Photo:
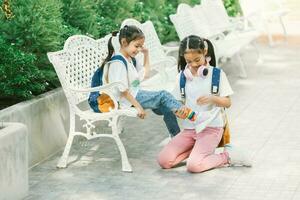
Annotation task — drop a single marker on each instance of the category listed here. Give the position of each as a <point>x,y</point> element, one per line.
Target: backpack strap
<point>215,81</point>
<point>119,58</point>
<point>97,77</point>
<point>123,60</point>
<point>182,81</point>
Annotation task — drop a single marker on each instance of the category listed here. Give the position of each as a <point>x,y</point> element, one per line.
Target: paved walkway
<point>265,118</point>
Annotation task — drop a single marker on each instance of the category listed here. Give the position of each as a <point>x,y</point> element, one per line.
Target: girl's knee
<point>164,93</point>
<point>164,161</point>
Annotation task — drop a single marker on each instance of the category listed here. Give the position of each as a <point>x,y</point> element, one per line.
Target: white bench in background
<point>261,13</point>
<point>188,21</point>
<point>75,66</point>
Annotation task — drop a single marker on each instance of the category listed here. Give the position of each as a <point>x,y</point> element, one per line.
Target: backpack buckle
<point>214,89</point>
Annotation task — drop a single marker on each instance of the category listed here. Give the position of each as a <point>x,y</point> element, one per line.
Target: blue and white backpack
<point>95,97</point>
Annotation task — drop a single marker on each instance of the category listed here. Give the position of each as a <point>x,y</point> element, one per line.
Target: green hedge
<point>37,27</point>
<point>20,77</point>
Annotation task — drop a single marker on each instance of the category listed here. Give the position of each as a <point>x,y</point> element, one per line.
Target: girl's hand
<point>141,113</point>
<point>144,50</point>
<point>182,112</point>
<point>210,99</point>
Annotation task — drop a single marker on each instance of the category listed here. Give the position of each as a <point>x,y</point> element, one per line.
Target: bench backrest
<point>76,64</point>
<point>187,22</point>
<point>216,15</point>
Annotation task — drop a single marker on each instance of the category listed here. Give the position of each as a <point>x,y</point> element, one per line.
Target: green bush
<point>37,28</point>
<point>233,7</point>
<point>81,17</point>
<point>110,14</point>
<point>20,78</point>
<point>190,2</point>
<point>158,12</point>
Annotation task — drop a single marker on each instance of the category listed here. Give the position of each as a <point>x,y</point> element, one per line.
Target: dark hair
<point>195,43</point>
<point>130,33</point>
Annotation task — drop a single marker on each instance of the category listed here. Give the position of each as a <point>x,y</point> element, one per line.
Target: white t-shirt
<point>131,78</point>
<point>202,87</point>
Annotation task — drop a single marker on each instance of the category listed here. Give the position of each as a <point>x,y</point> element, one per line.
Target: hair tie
<point>205,44</point>
<point>114,33</point>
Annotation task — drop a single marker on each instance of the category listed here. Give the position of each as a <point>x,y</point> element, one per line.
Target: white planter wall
<point>13,161</point>
<point>47,120</point>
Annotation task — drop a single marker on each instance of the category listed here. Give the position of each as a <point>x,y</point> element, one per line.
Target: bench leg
<point>283,28</point>
<point>126,167</point>
<point>62,163</point>
<point>267,29</point>
<point>260,60</point>
<point>120,125</point>
<point>243,72</point>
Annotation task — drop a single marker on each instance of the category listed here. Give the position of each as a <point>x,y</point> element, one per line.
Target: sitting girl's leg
<point>203,155</point>
<point>177,150</point>
<point>169,119</point>
<point>161,102</point>
<point>157,99</point>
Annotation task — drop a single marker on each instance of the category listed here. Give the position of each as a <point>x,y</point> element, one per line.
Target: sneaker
<point>237,156</point>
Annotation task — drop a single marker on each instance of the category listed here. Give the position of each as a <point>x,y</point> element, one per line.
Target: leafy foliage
<point>146,10</point>
<point>110,14</point>
<point>232,7</point>
<point>20,78</point>
<point>30,28</point>
<point>81,16</point>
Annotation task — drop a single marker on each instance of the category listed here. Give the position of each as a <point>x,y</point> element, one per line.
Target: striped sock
<point>191,116</point>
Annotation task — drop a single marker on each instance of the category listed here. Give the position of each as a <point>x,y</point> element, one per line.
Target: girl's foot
<point>237,157</point>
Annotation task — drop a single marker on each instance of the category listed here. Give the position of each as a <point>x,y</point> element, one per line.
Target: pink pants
<point>198,148</point>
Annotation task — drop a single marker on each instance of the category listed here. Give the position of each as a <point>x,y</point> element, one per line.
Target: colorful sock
<point>192,115</point>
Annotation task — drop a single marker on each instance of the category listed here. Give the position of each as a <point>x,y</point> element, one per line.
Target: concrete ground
<point>264,118</point>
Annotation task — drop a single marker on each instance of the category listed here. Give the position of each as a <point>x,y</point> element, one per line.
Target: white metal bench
<point>216,15</point>
<point>260,13</point>
<point>75,66</point>
<point>188,21</point>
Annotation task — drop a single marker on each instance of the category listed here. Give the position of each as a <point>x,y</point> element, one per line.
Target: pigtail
<point>210,52</point>
<point>181,63</point>
<point>110,49</point>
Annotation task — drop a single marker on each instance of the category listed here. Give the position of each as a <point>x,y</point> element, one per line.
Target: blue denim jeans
<point>161,103</point>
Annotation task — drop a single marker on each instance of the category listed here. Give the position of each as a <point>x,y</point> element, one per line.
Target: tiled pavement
<point>264,118</point>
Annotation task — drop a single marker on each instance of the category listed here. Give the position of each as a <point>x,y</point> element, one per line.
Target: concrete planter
<point>47,121</point>
<point>13,161</point>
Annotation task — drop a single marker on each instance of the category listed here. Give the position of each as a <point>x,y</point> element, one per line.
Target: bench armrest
<point>107,89</point>
<point>99,88</point>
